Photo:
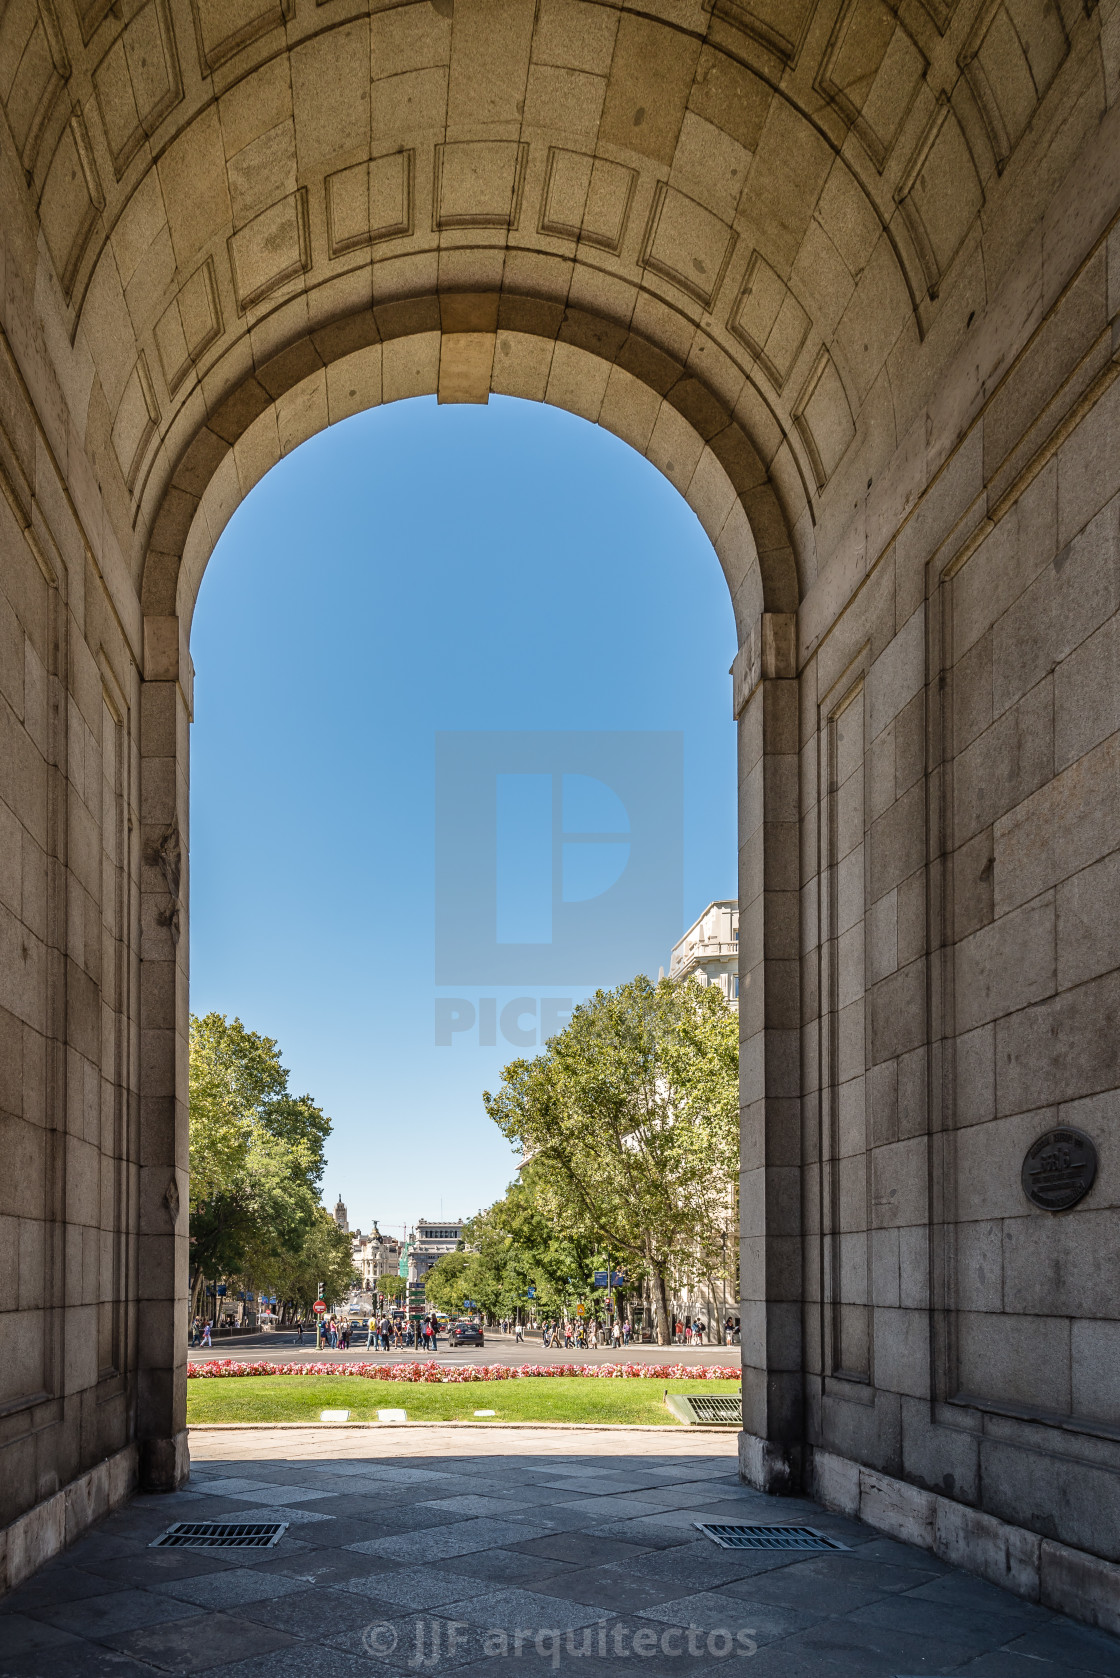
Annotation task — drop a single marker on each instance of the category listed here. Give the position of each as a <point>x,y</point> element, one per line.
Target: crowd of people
<point>423,1334</point>
<point>384,1335</point>
<point>587,1335</point>
<point>571,1335</point>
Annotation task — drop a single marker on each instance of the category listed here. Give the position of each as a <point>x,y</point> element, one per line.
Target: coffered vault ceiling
<point>780,195</point>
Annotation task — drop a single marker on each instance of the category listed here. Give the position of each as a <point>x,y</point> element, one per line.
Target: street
<point>282,1347</point>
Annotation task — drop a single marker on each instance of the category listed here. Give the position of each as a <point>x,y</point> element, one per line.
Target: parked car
<point>465,1334</point>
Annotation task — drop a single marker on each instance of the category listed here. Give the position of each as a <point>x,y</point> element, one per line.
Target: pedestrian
<point>298,1325</point>
<point>386,1333</point>
<point>196,1332</point>
<point>206,1340</point>
<point>517,1334</point>
<point>616,1333</point>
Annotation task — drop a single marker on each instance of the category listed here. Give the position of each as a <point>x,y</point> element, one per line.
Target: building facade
<point>709,951</point>
<point>429,1242</point>
<point>848,276</point>
<point>374,1255</point>
<point>708,954</point>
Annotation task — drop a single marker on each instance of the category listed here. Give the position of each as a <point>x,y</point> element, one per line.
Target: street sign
<point>580,1310</point>
<point>618,1277</point>
<point>532,1293</point>
<point>320,1305</point>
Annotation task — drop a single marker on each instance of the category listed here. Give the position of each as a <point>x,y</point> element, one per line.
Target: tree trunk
<point>196,1288</point>
<point>660,1303</point>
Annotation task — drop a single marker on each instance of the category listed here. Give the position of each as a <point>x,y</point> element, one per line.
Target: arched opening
<point>407,592</point>
<point>697,445</point>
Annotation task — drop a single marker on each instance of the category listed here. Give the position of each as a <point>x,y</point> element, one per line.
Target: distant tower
<point>340,1217</point>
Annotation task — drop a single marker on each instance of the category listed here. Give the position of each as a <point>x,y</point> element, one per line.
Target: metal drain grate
<point>706,1408</point>
<point>768,1538</point>
<point>221,1535</point>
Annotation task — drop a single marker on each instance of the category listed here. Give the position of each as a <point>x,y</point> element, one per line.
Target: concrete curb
<point>483,1427</point>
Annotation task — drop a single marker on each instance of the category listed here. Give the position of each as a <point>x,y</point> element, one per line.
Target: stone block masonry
<point>852,284</point>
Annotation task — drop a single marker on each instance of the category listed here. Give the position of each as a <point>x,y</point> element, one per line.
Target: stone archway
<point>675,422</point>
<point>846,271</point>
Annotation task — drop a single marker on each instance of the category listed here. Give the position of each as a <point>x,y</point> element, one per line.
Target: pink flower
<point>437,1373</point>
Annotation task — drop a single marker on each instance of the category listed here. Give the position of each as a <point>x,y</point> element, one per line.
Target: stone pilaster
<point>164,1133</point>
<point>766,700</point>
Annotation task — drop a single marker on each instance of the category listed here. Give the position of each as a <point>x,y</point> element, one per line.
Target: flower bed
<point>440,1373</point>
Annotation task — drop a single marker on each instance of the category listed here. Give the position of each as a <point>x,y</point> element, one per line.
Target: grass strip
<point>290,1398</point>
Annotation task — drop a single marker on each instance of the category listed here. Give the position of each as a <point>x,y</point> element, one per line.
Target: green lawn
<point>557,1398</point>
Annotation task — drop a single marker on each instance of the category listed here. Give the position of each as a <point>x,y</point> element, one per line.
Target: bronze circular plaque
<point>1059,1169</point>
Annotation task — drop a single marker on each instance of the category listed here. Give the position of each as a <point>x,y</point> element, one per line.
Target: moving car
<point>465,1334</point>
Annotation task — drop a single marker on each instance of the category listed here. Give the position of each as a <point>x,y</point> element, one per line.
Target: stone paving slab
<point>413,1555</point>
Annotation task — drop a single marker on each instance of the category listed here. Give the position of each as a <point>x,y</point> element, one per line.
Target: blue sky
<point>524,587</point>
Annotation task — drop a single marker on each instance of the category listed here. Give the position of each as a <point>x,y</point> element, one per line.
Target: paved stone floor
<point>431,1550</point>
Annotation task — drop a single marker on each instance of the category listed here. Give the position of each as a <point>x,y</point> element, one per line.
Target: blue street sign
<point>618,1277</point>
<point>532,1293</point>
<point>221,1288</point>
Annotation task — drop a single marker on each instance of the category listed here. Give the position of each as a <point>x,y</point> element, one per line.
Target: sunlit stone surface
<point>847,276</point>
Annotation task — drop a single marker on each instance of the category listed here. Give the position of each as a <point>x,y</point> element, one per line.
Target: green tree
<point>630,1118</point>
<point>391,1286</point>
<point>321,1261</point>
<point>256,1153</point>
<point>517,1243</point>
<point>447,1283</point>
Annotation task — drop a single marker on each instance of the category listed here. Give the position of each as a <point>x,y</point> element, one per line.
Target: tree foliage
<point>629,1118</point>
<point>257,1156</point>
<point>322,1262</point>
